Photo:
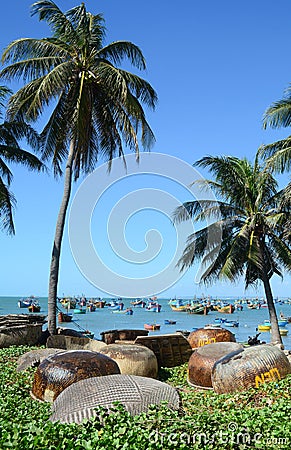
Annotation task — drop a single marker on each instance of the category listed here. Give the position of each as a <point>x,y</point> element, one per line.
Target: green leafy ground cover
<point>257,418</point>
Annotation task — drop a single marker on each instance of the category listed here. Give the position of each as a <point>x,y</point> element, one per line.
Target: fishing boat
<point>139,302</point>
<point>227,309</point>
<point>219,320</point>
<point>199,309</point>
<point>127,311</point>
<point>282,317</point>
<point>68,303</point>
<point>170,322</point>
<point>87,334</point>
<point>34,307</point>
<point>231,323</point>
<point>152,326</point>
<point>283,331</point>
<point>63,317</point>
<point>26,302</point>
<point>91,307</point>
<point>79,311</point>
<point>264,327</point>
<point>153,307</point>
<point>179,304</point>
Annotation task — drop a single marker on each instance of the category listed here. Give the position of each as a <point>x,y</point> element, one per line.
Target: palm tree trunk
<point>275,337</point>
<point>56,253</point>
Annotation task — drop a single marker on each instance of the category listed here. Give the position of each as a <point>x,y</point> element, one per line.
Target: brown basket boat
<point>57,372</point>
<point>170,349</point>
<point>205,336</point>
<point>202,360</point>
<point>79,401</point>
<point>133,359</point>
<point>249,368</point>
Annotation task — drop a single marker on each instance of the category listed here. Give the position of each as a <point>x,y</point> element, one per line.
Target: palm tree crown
<point>96,105</point>
<point>11,152</point>
<point>252,220</point>
<point>279,152</point>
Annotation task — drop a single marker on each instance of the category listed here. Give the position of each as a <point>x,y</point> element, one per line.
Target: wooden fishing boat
<point>264,327</point>
<point>63,317</point>
<point>68,303</point>
<point>170,322</point>
<point>152,326</point>
<point>26,302</point>
<point>34,308</point>
<point>201,309</point>
<point>227,309</point>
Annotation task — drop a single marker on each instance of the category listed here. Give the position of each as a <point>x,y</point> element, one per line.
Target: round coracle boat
<point>210,335</point>
<point>251,367</point>
<point>203,359</point>
<point>133,359</point>
<point>80,400</point>
<point>57,372</point>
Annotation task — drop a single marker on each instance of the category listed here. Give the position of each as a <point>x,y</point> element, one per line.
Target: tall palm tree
<point>97,106</point>
<point>11,152</point>
<point>251,219</point>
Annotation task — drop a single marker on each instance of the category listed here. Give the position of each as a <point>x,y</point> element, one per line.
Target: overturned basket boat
<point>203,359</point>
<point>133,359</point>
<point>210,335</point>
<point>79,401</point>
<point>58,371</point>
<point>249,367</point>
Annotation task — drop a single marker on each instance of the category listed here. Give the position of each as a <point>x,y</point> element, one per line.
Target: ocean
<point>104,319</point>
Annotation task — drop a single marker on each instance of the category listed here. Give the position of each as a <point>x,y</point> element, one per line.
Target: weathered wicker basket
<point>78,401</point>
<point>202,360</point>
<point>249,368</point>
<point>170,349</point>
<point>205,336</point>
<point>59,371</point>
<point>133,359</point>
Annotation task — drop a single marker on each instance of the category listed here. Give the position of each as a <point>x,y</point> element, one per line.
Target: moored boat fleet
<point>68,307</point>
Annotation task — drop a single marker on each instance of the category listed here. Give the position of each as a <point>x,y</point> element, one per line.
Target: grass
<point>257,418</point>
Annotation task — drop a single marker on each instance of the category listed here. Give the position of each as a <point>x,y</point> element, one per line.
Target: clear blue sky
<point>216,67</point>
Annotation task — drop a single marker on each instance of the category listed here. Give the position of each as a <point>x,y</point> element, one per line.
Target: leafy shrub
<point>257,418</point>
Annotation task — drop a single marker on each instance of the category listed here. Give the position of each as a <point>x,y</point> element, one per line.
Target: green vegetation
<point>251,419</point>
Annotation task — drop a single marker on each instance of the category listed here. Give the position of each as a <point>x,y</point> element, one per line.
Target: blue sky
<point>216,67</point>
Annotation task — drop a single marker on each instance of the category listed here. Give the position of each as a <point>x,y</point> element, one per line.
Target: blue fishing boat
<point>170,322</point>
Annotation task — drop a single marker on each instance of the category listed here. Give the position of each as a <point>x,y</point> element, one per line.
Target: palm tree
<point>97,106</point>
<point>11,152</point>
<point>251,219</point>
<point>276,116</point>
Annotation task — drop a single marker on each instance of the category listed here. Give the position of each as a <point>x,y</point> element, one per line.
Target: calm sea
<point>104,319</point>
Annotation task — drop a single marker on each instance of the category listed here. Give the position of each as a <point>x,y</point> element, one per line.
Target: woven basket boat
<point>133,359</point>
<point>58,371</point>
<point>249,367</point>
<point>205,336</point>
<point>170,349</point>
<point>78,401</point>
<point>202,361</point>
